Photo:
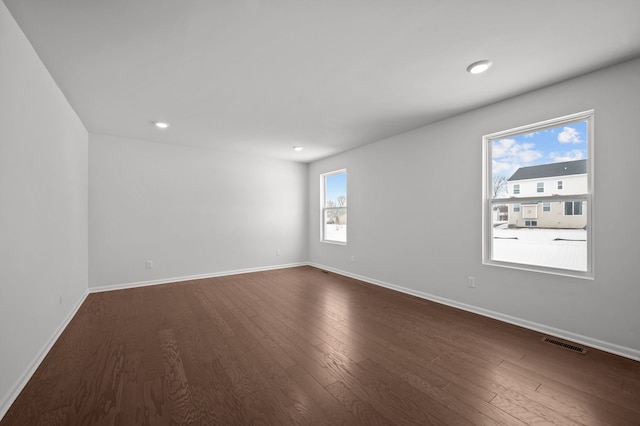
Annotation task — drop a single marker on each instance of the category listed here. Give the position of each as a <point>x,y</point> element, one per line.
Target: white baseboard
<point>192,277</point>
<point>578,338</point>
<point>35,363</point>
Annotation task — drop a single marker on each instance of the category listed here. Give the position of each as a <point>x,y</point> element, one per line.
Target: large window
<point>542,231</point>
<point>333,187</point>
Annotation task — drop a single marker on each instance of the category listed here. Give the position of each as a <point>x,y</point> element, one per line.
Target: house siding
<point>556,217</point>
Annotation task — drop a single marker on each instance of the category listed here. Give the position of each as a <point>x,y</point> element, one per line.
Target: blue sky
<point>556,144</point>
<point>335,186</point>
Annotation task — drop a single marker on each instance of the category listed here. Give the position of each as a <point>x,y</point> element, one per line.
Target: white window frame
<point>588,197</point>
<point>516,189</point>
<point>540,187</point>
<point>323,208</point>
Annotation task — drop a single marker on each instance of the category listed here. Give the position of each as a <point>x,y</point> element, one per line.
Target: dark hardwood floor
<point>300,346</point>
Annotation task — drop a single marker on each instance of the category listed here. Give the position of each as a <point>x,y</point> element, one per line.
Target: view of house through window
<point>334,206</point>
<point>538,196</point>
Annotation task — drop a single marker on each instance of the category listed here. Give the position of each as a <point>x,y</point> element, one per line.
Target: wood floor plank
<point>538,404</point>
<point>472,408</point>
<point>354,376</point>
<point>300,346</point>
<point>177,392</point>
<point>326,409</point>
<point>483,374</point>
<point>98,393</point>
<point>131,405</point>
<point>609,407</point>
<point>448,414</point>
<point>59,416</point>
<point>156,411</point>
<point>361,410</point>
<point>594,411</point>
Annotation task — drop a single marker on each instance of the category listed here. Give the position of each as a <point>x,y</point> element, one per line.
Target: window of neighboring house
<point>560,148</point>
<point>573,208</point>
<point>333,190</point>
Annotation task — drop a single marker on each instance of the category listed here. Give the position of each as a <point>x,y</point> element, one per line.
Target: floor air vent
<point>567,345</point>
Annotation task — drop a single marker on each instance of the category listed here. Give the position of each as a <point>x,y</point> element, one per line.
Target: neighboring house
<point>569,177</point>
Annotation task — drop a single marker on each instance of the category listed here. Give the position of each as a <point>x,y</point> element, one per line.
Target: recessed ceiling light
<point>298,148</point>
<point>479,67</point>
<point>161,124</point>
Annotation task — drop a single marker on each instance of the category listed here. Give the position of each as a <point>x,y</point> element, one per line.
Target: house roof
<point>565,168</point>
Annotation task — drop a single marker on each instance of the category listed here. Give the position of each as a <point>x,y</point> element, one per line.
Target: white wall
<point>191,211</point>
<point>415,215</point>
<point>43,209</point>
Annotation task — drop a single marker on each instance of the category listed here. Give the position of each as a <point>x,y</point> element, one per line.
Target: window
<point>333,187</point>
<point>573,208</point>
<point>560,240</point>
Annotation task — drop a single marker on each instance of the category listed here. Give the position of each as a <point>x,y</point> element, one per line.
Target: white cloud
<point>574,154</point>
<point>509,155</point>
<point>501,147</point>
<point>508,150</point>
<point>501,167</point>
<point>569,135</point>
<point>528,156</point>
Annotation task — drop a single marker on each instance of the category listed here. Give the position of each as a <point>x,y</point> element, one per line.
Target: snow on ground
<point>535,246</point>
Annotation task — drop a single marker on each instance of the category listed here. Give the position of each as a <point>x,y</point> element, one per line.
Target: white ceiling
<point>261,76</point>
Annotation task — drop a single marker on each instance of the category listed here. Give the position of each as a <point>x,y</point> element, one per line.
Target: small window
<point>334,207</point>
<point>573,208</point>
<point>557,236</point>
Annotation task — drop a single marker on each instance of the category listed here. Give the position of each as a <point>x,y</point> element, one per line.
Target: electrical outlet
<point>471,282</point>
<point>278,252</point>
<point>149,264</point>
<point>353,258</point>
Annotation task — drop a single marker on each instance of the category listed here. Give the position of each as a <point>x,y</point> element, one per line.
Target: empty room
<point>330,212</point>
